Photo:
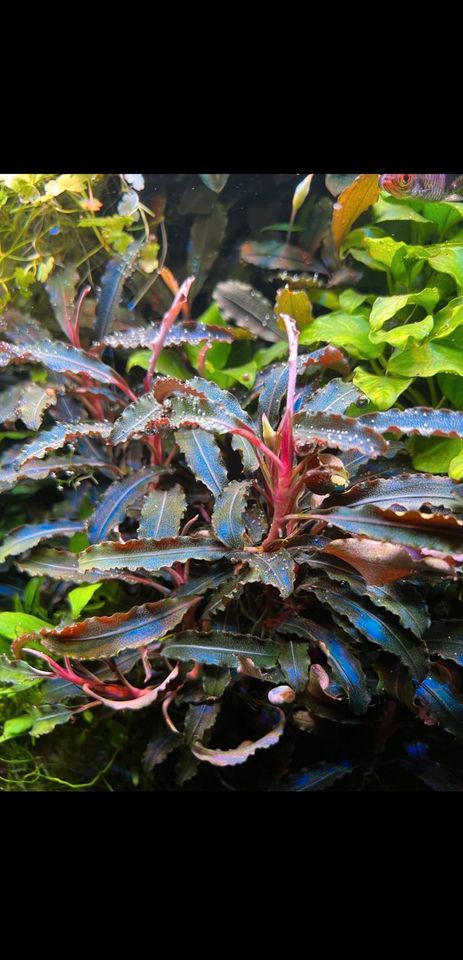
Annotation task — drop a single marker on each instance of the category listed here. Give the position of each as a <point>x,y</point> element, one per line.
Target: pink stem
<point>168,319</point>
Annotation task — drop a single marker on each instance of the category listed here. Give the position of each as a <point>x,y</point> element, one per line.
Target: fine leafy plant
<point>241,576</point>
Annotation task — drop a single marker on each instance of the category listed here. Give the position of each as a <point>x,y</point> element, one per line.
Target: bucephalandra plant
<point>264,566</point>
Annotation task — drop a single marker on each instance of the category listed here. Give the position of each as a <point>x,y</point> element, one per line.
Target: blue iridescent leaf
<point>112,507</point>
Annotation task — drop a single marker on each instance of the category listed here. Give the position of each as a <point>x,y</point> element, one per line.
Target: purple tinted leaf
<point>220,648</point>
<point>116,273</point>
<point>443,533</point>
<point>441,704</point>
<point>61,289</point>
<point>207,234</point>
<point>20,328</point>
<point>112,507</point>
<point>28,536</point>
<point>315,778</point>
<point>59,357</point>
<point>187,332</point>
<point>337,431</point>
<point>247,453</point>
<point>27,402</point>
<point>227,519</point>
<point>275,569</point>
<point>161,743</point>
<point>445,638</point>
<point>162,512</point>
<point>294,660</point>
<point>59,436</point>
<point>418,420</point>
<point>335,397</point>
<point>273,255</point>
<point>61,565</point>
<point>248,308</point>
<point>227,758</point>
<point>137,418</point>
<point>377,627</point>
<point>150,555</point>
<point>106,636</point>
<point>203,458</point>
<point>409,490</point>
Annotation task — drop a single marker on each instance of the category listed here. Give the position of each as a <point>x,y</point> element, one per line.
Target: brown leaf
<point>381,563</point>
<point>352,202</point>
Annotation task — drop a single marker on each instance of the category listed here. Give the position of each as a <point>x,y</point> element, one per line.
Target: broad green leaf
<point>456,466</point>
<point>346,330</point>
<point>151,555</point>
<point>385,210</point>
<point>448,259</point>
<point>227,519</point>
<point>452,387</point>
<point>427,359</point>
<point>435,454</point>
<point>448,319</point>
<point>350,300</point>
<point>79,597</point>
<point>162,512</point>
<point>385,308</point>
<point>16,726</point>
<point>106,636</point>
<point>383,391</point>
<point>112,508</point>
<point>29,536</point>
<point>399,335</point>
<point>204,458</point>
<point>220,648</point>
<point>384,249</point>
<point>168,363</point>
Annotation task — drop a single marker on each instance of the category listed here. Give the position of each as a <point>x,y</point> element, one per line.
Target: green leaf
<point>346,330</point>
<point>80,596</point>
<point>383,391</point>
<point>384,250</point>
<point>452,387</point>
<point>16,726</point>
<point>12,625</point>
<point>435,454</point>
<point>168,363</point>
<point>162,512</point>
<point>456,466</point>
<point>448,319</point>
<point>220,648</point>
<point>426,359</point>
<point>385,210</point>
<point>46,718</point>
